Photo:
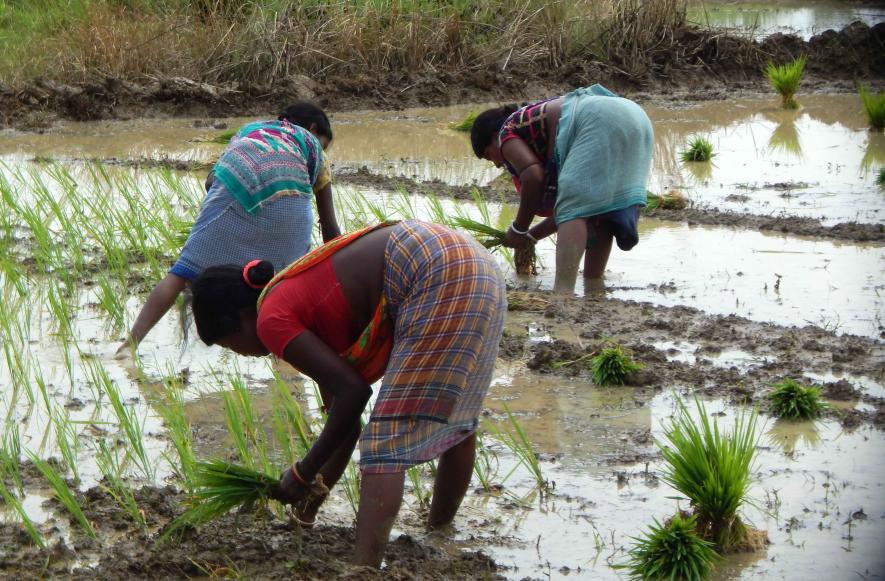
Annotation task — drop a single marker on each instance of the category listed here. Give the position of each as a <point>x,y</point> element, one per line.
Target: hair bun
<point>258,273</point>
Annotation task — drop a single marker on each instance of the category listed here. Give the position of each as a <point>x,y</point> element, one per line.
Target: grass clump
<point>880,179</point>
<point>874,107</point>
<point>465,124</point>
<point>671,551</point>
<point>612,365</point>
<point>699,149</point>
<point>786,79</point>
<point>712,469</point>
<point>791,400</point>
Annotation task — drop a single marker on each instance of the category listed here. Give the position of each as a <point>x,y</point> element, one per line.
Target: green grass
<point>64,494</point>
<point>220,486</point>
<point>11,501</point>
<point>791,400</point>
<point>465,124</point>
<point>698,149</point>
<point>786,79</point>
<point>874,107</point>
<point>518,443</point>
<point>611,366</point>
<point>672,551</point>
<point>712,469</point>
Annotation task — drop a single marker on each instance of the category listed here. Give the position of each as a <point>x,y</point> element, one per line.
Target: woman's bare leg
<point>452,479</point>
<point>570,244</point>
<point>380,498</point>
<point>597,256</point>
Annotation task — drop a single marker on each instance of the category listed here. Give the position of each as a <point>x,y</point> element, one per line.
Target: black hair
<point>304,114</point>
<point>220,294</point>
<point>487,125</point>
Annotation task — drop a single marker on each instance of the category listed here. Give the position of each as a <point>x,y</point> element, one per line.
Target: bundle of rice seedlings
<point>880,179</point>
<point>524,259</point>
<point>712,469</point>
<point>786,79</point>
<point>791,400</point>
<point>465,124</point>
<point>874,107</point>
<point>671,551</point>
<point>672,200</point>
<point>218,487</point>
<point>612,366</point>
<point>699,149</point>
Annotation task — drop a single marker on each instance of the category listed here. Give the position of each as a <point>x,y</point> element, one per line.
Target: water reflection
<point>787,435</point>
<point>785,139</point>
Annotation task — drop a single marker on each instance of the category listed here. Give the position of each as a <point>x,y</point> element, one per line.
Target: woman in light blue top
<point>581,161</point>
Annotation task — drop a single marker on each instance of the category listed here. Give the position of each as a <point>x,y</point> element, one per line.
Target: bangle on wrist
<point>297,474</point>
<point>517,230</point>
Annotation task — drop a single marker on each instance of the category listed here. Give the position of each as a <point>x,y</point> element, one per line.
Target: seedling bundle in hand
<point>524,259</point>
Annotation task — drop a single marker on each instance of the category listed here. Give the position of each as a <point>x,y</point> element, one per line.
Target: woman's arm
<point>326,210</point>
<point>544,228</point>
<point>347,391</point>
<point>158,302</point>
<point>531,175</point>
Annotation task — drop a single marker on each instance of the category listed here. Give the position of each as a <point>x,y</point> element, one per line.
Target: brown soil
<point>703,64</point>
<point>238,546</point>
<point>789,351</point>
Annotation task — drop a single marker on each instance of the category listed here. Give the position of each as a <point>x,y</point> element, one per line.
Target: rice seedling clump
<point>712,469</point>
<point>874,107</point>
<point>791,400</point>
<point>786,79</point>
<point>699,149</point>
<point>465,124</point>
<point>525,260</point>
<point>880,179</point>
<point>218,487</point>
<point>671,551</point>
<point>672,200</point>
<point>612,366</point>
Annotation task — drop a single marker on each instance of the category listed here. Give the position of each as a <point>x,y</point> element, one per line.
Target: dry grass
<point>263,41</point>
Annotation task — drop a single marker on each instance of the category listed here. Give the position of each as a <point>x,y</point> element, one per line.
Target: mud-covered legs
<point>453,475</point>
<point>381,496</point>
<point>570,245</point>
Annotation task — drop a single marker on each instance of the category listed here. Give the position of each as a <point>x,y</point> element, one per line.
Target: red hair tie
<point>246,269</point>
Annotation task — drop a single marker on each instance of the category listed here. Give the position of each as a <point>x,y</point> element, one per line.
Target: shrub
<point>671,551</point>
<point>712,469</point>
<point>791,400</point>
<point>699,149</point>
<point>786,79</point>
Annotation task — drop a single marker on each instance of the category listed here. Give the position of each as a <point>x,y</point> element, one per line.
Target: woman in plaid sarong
<point>424,301</point>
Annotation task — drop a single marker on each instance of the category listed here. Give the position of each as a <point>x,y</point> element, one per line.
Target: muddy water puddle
<point>802,18</point>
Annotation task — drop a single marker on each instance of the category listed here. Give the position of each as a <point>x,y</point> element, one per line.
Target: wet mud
<point>253,545</point>
<point>710,62</point>
<point>688,350</point>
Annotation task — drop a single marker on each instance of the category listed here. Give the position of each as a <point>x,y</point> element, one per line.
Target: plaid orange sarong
<point>371,351</point>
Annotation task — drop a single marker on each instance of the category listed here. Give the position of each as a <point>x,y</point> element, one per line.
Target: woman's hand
<point>514,240</point>
<point>294,491</point>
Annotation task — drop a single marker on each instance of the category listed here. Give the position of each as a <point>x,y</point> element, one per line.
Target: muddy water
<point>820,161</point>
<point>801,17</point>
